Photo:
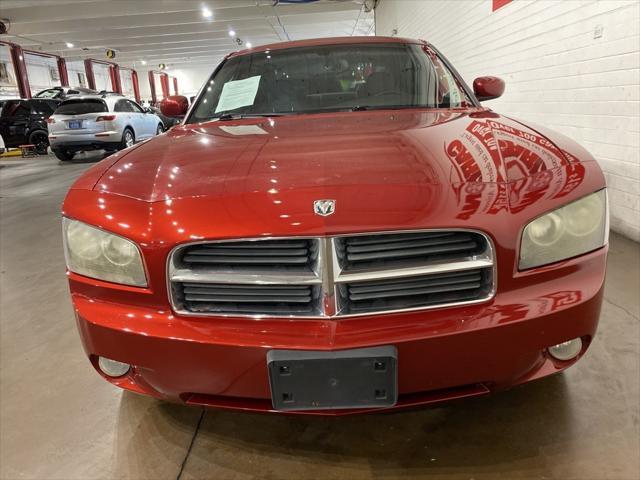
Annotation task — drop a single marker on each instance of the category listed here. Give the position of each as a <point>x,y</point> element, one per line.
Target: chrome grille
<point>334,276</point>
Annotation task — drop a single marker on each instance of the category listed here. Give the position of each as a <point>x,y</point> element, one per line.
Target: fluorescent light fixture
<point>69,45</point>
<point>232,33</point>
<point>206,13</point>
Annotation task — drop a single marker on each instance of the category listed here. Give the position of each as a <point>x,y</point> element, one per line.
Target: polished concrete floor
<point>60,420</point>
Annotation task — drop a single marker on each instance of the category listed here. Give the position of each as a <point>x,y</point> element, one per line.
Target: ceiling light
<point>69,45</point>
<point>206,13</point>
<point>144,62</point>
<point>249,45</point>
<point>232,33</point>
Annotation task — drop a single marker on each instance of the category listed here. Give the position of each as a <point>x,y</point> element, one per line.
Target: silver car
<point>107,122</point>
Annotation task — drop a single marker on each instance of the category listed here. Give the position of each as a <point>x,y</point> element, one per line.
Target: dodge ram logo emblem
<point>324,208</point>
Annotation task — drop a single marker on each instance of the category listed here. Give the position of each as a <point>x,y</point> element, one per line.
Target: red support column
<point>164,83</point>
<point>62,70</point>
<point>88,69</point>
<point>175,86</point>
<point>20,68</point>
<point>152,87</point>
<point>136,85</point>
<point>114,71</point>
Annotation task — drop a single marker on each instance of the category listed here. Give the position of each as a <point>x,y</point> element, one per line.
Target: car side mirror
<point>488,88</point>
<point>174,106</point>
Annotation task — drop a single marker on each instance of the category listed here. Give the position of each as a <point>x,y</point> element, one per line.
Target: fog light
<point>566,350</point>
<point>113,368</point>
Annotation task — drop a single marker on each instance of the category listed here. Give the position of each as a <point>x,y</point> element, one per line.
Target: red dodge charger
<point>337,226</point>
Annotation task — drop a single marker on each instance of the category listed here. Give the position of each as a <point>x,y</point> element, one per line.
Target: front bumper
<point>86,141</point>
<point>442,354</point>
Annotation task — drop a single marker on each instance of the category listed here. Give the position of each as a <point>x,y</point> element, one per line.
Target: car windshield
<point>79,107</point>
<point>50,93</point>
<point>329,78</point>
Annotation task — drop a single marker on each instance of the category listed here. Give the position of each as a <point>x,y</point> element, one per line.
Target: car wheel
<point>63,155</point>
<point>159,130</point>
<point>40,141</point>
<point>128,138</point>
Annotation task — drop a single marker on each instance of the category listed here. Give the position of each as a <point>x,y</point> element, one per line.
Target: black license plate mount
<point>342,379</point>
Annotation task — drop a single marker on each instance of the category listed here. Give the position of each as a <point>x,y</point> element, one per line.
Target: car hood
<point>383,169</point>
<point>359,151</point>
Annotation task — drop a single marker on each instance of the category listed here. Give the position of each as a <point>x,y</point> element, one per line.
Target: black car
<point>25,122</point>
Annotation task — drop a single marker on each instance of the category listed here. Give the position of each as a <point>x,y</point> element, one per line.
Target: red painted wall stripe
<point>499,4</point>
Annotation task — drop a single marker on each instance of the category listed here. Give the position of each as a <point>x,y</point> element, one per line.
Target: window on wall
<point>82,79</point>
<point>126,82</point>
<point>4,73</point>
<point>39,70</point>
<point>8,84</point>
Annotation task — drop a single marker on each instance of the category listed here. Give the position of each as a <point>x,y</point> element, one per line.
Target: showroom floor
<point>60,420</point>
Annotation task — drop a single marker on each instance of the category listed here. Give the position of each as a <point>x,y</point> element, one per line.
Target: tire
<point>128,138</point>
<point>40,139</point>
<point>63,155</point>
<point>160,129</point>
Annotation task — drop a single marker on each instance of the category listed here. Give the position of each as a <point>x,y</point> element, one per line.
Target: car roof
<point>326,41</point>
<point>110,99</point>
<point>31,100</point>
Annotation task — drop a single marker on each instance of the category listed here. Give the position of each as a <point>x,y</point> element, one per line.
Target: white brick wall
<point>557,73</point>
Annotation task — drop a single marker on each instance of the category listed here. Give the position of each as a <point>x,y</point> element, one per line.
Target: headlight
<point>95,253</point>
<point>572,230</point>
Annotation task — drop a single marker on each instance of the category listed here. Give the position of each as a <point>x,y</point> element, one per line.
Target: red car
<point>337,226</point>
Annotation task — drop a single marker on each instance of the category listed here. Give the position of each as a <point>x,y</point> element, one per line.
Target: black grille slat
<point>412,243</point>
<point>239,292</point>
<point>406,249</point>
<point>411,252</point>
<point>247,252</point>
<point>395,237</point>
<point>250,309</point>
<point>246,299</point>
<point>404,284</point>
<point>415,292</point>
<point>245,260</point>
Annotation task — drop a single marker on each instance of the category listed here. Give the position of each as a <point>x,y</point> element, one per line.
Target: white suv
<point>108,122</point>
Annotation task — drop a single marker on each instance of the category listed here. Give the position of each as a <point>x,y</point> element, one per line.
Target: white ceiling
<point>174,32</point>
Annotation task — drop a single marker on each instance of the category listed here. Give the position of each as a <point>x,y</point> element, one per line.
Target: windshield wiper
<point>237,116</point>
<point>362,108</point>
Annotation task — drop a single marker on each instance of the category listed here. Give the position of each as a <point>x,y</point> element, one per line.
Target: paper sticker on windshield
<point>243,130</point>
<point>238,93</point>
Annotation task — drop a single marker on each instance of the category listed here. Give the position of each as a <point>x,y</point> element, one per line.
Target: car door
<point>126,117</point>
<point>40,111</point>
<point>144,119</point>
<point>14,122</point>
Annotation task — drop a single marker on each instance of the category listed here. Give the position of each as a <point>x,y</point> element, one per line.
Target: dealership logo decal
<point>324,208</point>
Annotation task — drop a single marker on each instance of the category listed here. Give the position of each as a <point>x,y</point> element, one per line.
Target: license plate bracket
<point>315,380</point>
